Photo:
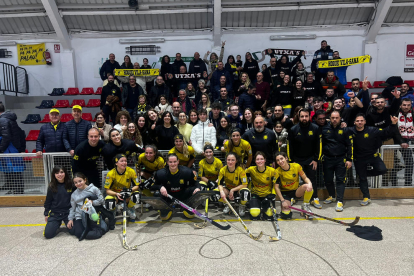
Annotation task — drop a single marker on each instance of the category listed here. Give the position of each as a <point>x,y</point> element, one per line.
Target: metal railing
<point>14,79</point>
<point>399,163</point>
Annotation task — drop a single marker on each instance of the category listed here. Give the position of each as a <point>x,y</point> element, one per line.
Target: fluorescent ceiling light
<point>289,37</point>
<point>8,43</point>
<point>143,40</point>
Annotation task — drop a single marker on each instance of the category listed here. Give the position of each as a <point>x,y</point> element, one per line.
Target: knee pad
<point>146,192</point>
<point>135,198</point>
<point>286,215</point>
<point>269,213</point>
<point>255,212</point>
<point>147,183</point>
<point>110,203</point>
<point>244,196</point>
<point>212,185</point>
<point>203,186</point>
<point>125,193</point>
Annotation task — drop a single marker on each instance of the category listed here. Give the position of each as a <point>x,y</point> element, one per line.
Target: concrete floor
<point>176,248</point>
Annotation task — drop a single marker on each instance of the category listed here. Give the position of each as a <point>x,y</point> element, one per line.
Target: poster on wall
<point>31,54</point>
<point>409,58</point>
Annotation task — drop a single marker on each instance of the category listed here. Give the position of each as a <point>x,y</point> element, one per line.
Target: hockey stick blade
<point>356,220</point>
<point>276,224</point>
<point>201,225</point>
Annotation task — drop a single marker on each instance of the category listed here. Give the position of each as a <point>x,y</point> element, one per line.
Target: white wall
<point>89,53</point>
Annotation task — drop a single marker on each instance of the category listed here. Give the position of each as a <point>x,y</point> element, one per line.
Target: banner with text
<point>409,58</point>
<point>31,54</point>
<point>344,61</point>
<point>137,72</point>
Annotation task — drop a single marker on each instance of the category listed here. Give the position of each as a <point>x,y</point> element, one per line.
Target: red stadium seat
<point>348,85</point>
<point>377,84</point>
<point>32,136</point>
<point>66,117</point>
<point>72,91</point>
<point>87,91</point>
<point>87,116</point>
<point>94,103</point>
<point>410,83</point>
<point>61,104</point>
<point>98,91</point>
<point>46,119</point>
<point>78,102</point>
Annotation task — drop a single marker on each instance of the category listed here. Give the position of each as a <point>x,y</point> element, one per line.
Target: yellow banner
<point>31,54</point>
<point>137,72</point>
<point>344,61</point>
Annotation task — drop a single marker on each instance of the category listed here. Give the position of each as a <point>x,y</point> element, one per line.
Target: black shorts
<point>289,194</point>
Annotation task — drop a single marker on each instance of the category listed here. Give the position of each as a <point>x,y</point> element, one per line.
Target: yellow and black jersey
<point>116,182</point>
<point>232,179</point>
<point>210,171</point>
<point>243,149</point>
<point>148,166</point>
<point>290,179</point>
<point>183,161</point>
<point>262,182</point>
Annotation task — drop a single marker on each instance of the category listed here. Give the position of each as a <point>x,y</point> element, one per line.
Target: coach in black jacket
<point>76,130</point>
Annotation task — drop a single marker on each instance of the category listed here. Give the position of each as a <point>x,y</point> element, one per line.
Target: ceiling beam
<point>217,23</point>
<point>133,12</point>
<point>380,14</point>
<point>57,23</point>
<point>298,7</point>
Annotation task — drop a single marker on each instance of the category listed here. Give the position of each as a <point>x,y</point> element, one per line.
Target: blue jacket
<point>340,72</point>
<point>215,78</point>
<point>11,164</point>
<point>365,102</point>
<point>246,100</point>
<point>51,139</point>
<point>108,67</point>
<point>75,133</point>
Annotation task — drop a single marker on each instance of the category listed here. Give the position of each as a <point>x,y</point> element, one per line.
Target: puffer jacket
<point>11,132</point>
<point>78,197</point>
<point>75,133</point>
<point>51,139</point>
<point>202,133</point>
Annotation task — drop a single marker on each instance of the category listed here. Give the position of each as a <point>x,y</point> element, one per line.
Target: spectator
<point>165,132</point>
<point>163,105</point>
<point>281,136</point>
<point>145,130</point>
<point>102,127</point>
<point>126,65</point>
<point>262,92</point>
<point>133,134</point>
<point>201,89</point>
<point>51,135</point>
<point>248,99</point>
<point>264,67</point>
<point>332,81</point>
<point>190,90</point>
<point>406,129</point>
<point>204,103</point>
<point>283,63</point>
<point>193,117</point>
<point>283,96</point>
<point>299,73</point>
<point>233,69</point>
<point>197,65</point>
<point>380,115</point>
<point>324,53</point>
<point>248,120</point>
<point>159,89</point>
<point>243,85</point>
<point>142,106</point>
<point>130,94</point>
<point>340,72</point>
<point>178,62</point>
<point>278,115</point>
<point>251,67</point>
<point>176,110</point>
<point>108,67</point>
<point>110,99</point>
<point>223,132</point>
<point>373,99</point>
<point>261,139</point>
<point>224,100</point>
<point>298,94</point>
<point>184,128</point>
<point>271,74</point>
<point>214,59</point>
<point>216,114</point>
<point>223,83</point>
<point>329,98</point>
<point>320,119</point>
<point>149,80</point>
<point>202,133</point>
<point>121,122</point>
<point>216,78</point>
<point>235,117</point>
<point>185,102</point>
<point>309,102</point>
<point>354,88</point>
<point>406,92</point>
<point>312,87</point>
<point>181,82</point>
<point>239,62</point>
<point>317,105</point>
<point>166,69</point>
<point>76,130</point>
<point>153,119</point>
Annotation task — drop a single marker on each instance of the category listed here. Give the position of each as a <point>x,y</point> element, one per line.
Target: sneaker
<point>132,214</point>
<point>242,210</point>
<point>316,204</point>
<point>365,202</point>
<point>226,210</point>
<point>339,206</point>
<point>329,200</point>
<point>306,207</point>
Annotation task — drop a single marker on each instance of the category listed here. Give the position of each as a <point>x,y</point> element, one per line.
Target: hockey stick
<point>242,222</point>
<point>139,181</point>
<point>331,219</point>
<point>124,223</point>
<point>276,224</point>
<point>204,223</point>
<point>198,214</point>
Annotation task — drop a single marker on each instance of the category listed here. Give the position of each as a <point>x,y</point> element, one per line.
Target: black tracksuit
<point>251,68</point>
<point>314,89</point>
<point>110,150</point>
<point>303,148</point>
<point>264,141</point>
<point>282,95</point>
<point>336,149</point>
<point>57,207</point>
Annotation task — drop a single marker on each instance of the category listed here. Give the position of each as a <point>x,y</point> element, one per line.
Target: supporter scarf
<point>188,76</point>
<point>405,125</point>
<point>136,72</point>
<point>141,107</point>
<point>163,107</point>
<point>287,52</point>
<point>344,62</point>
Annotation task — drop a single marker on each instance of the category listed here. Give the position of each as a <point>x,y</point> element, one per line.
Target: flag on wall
<point>31,54</point>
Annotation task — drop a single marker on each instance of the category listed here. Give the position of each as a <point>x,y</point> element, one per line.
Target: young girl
<point>142,106</point>
<point>57,203</point>
<point>240,147</point>
<point>133,134</point>
<point>248,120</point>
<point>223,133</point>
<point>84,190</point>
<point>262,180</point>
<point>281,136</point>
<point>204,102</point>
<point>184,153</point>
<point>163,105</point>
<point>232,183</point>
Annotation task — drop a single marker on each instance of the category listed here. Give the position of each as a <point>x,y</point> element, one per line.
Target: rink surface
<point>177,248</point>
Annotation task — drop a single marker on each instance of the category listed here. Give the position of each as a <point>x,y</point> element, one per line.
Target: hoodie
<point>78,197</point>
<point>108,67</point>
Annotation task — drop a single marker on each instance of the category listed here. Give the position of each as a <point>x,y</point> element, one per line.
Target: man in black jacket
<point>197,65</point>
<point>248,99</point>
<point>109,108</point>
<point>224,100</point>
<point>313,87</point>
<point>130,94</point>
<point>159,89</point>
<point>178,62</point>
<point>324,53</point>
<point>304,144</point>
<point>51,135</point>
<point>76,130</point>
<point>108,67</point>
<point>337,158</point>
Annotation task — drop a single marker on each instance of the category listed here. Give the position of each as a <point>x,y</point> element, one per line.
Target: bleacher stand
<point>72,91</point>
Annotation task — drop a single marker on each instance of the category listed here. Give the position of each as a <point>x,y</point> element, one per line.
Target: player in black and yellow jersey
<point>116,180</point>
<point>232,183</point>
<point>262,179</point>
<point>289,188</point>
<point>239,146</point>
<point>148,163</point>
<point>209,167</point>
<point>184,152</point>
<point>179,181</point>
